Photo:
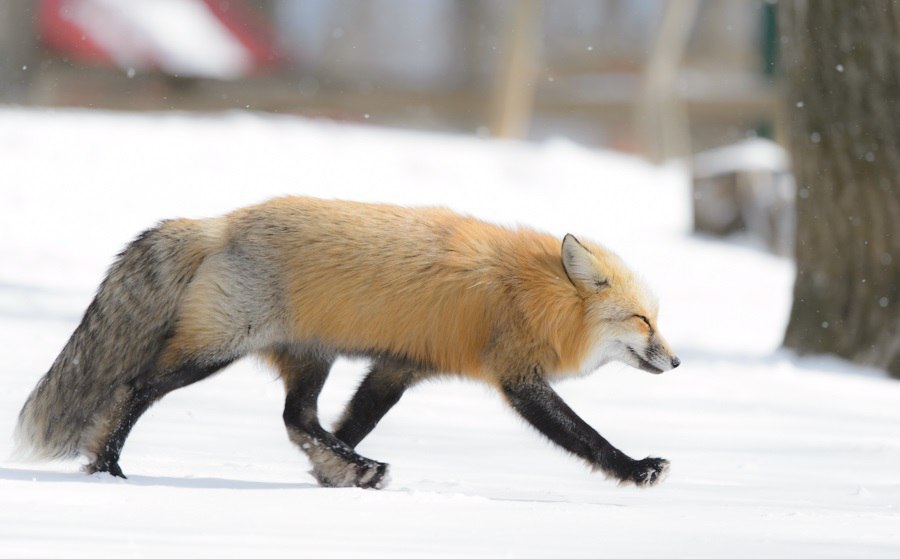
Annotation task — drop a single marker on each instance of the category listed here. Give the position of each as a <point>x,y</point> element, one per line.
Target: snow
<point>772,456</point>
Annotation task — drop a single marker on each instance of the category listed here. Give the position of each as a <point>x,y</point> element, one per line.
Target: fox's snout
<point>660,364</point>
<point>660,355</point>
<point>656,358</point>
<point>664,359</point>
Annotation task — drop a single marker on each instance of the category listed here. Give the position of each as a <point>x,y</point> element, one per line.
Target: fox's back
<point>417,282</point>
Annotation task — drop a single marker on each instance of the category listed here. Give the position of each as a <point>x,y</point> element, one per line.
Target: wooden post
<point>513,96</point>
<point>661,118</point>
<point>18,62</point>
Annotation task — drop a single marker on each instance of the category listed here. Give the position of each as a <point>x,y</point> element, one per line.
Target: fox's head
<point>619,310</point>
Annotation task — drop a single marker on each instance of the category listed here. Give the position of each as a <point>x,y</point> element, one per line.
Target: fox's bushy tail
<point>116,344</point>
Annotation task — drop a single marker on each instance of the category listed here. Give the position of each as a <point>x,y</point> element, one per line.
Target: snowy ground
<point>771,456</point>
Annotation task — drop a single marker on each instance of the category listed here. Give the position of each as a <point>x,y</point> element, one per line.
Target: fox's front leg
<point>380,390</point>
<point>540,405</point>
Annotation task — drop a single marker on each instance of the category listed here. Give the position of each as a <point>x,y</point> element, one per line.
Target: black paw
<point>646,472</point>
<point>98,466</point>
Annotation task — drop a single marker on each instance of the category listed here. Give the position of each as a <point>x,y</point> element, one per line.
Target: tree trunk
<point>841,64</point>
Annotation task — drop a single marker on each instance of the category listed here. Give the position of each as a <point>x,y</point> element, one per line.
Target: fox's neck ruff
<point>552,308</point>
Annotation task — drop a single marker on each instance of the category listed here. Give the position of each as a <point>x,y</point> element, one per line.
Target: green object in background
<point>769,40</point>
<point>768,43</point>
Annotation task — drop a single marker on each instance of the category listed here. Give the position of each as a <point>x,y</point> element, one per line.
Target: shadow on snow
<point>12,474</point>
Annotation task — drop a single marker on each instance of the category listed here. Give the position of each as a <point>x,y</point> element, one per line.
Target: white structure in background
<point>179,37</point>
<point>746,188</point>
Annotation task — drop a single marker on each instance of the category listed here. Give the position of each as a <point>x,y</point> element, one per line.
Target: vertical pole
<point>513,97</point>
<point>662,120</point>
<point>17,50</point>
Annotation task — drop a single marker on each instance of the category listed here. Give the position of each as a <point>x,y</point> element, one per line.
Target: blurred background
<point>586,69</point>
<point>661,79</point>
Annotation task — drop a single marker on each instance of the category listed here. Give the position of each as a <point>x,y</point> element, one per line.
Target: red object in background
<point>250,28</point>
<point>230,40</point>
<point>62,35</point>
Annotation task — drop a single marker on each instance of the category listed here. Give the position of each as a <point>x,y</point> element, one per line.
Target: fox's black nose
<point>675,362</point>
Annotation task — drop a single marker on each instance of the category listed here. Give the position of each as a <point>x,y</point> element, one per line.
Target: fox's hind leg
<point>106,439</point>
<point>334,463</point>
<point>379,391</point>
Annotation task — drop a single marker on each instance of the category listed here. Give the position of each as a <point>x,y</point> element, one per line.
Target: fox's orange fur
<point>460,294</point>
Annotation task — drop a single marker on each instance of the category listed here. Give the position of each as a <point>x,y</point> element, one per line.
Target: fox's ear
<point>581,266</point>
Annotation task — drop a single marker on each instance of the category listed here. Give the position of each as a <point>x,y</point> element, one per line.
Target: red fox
<point>300,281</point>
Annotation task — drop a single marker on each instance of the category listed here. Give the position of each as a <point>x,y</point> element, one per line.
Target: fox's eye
<point>645,319</point>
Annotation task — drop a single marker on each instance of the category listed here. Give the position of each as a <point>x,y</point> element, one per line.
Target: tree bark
<point>841,64</point>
